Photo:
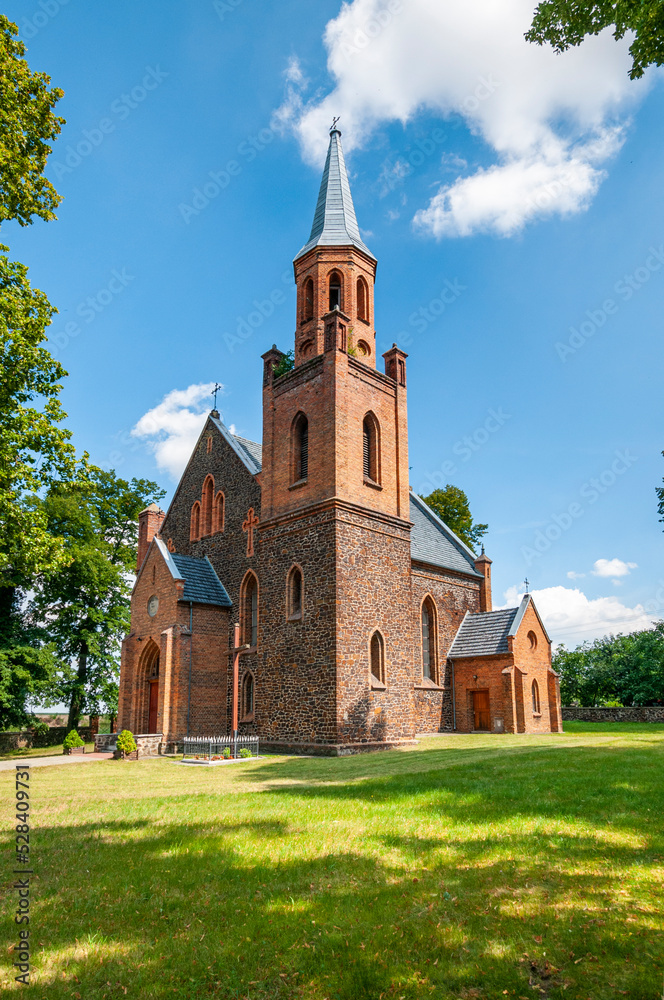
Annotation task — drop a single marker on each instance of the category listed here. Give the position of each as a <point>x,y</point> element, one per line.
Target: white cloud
<point>572,618</point>
<point>171,428</point>
<point>612,567</point>
<point>571,575</point>
<point>551,120</point>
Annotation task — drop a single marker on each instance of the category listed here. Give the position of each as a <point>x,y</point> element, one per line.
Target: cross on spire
<point>214,392</point>
<point>248,525</point>
<point>527,584</point>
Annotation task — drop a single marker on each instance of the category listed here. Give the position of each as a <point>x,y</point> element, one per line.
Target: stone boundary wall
<point>148,744</point>
<point>26,739</point>
<point>645,713</point>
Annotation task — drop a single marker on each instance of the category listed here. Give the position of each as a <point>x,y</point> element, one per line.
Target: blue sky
<point>529,185</point>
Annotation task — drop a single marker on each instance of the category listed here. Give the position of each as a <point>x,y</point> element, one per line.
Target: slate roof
<point>254,449</point>
<point>483,634</point>
<point>432,542</point>
<point>335,223</point>
<point>201,583</point>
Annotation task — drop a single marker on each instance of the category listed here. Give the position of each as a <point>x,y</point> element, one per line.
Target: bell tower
<point>335,272</point>
<point>335,497</point>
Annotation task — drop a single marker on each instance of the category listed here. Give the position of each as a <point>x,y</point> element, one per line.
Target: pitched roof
<point>201,583</point>
<point>250,452</point>
<point>432,542</point>
<point>335,223</point>
<point>483,634</point>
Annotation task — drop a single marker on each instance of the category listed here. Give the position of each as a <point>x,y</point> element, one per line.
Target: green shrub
<point>72,739</point>
<point>126,742</point>
<point>244,752</point>
<point>227,753</point>
<point>41,729</point>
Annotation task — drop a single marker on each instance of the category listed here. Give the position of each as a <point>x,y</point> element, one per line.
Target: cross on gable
<point>248,525</point>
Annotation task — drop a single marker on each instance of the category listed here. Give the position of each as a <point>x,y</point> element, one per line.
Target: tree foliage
<point>565,23</point>
<point>621,669</point>
<point>451,505</point>
<point>83,607</point>
<point>27,126</point>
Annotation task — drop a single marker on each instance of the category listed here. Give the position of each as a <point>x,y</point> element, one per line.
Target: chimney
<point>395,364</point>
<point>150,521</point>
<point>483,566</point>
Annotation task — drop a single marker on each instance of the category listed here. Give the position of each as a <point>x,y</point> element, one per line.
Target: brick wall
<point>532,664</point>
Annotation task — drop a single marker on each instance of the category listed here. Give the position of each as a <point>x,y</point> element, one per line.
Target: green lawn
<point>39,752</point>
<point>469,867</point>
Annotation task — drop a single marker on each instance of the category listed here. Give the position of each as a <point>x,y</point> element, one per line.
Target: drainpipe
<point>453,698</point>
<point>191,629</point>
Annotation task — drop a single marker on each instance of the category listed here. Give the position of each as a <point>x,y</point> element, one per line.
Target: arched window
<point>294,593</point>
<point>429,660</point>
<point>362,300</point>
<point>300,448</point>
<point>532,639</point>
<point>536,698</point>
<point>335,285</point>
<point>377,658</point>
<point>308,300</point>
<point>247,698</point>
<point>249,610</point>
<point>195,525</point>
<point>219,512</point>
<point>371,449</point>
<point>206,506</point>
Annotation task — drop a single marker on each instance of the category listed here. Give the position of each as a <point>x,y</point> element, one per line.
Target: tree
<point>565,23</point>
<point>83,607</point>
<point>627,669</point>
<point>451,505</point>
<point>28,125</point>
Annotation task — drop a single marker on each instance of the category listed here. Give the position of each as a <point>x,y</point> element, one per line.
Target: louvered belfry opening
<point>366,436</point>
<point>300,447</point>
<point>370,449</point>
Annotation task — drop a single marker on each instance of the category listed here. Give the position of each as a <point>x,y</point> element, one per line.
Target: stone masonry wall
<point>634,713</point>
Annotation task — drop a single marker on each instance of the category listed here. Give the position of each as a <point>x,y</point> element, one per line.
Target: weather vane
<point>334,122</point>
<point>214,392</point>
<point>527,583</point>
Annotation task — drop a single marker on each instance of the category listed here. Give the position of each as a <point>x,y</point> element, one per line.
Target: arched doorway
<point>147,721</point>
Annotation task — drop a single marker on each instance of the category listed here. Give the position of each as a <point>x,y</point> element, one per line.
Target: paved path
<point>76,758</point>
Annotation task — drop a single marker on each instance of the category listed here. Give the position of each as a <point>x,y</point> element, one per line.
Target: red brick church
<point>364,619</point>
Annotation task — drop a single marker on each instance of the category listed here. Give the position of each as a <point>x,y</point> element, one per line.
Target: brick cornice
<point>334,504</point>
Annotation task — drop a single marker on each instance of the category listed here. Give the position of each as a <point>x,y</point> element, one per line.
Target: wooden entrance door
<point>154,703</point>
<point>481,710</point>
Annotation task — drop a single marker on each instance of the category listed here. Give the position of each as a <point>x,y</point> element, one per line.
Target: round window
<point>153,606</point>
<point>532,639</point>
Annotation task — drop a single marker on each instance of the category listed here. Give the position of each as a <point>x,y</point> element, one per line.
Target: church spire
<point>335,223</point>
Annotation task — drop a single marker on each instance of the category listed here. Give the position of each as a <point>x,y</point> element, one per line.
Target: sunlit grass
<point>467,867</point>
<point>39,752</point>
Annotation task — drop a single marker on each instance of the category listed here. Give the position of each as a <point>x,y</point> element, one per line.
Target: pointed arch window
<point>536,698</point>
<point>247,697</point>
<point>429,658</point>
<point>300,448</point>
<point>219,512</point>
<point>206,506</point>
<point>335,291</point>
<point>249,610</point>
<point>294,594</point>
<point>362,300</point>
<point>377,659</point>
<point>370,449</point>
<point>195,523</point>
<point>308,300</point>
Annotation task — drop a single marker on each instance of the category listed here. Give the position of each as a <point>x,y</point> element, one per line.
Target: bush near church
<point>126,744</point>
<point>73,743</point>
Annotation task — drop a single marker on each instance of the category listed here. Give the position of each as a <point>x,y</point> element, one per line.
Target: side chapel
<point>364,619</point>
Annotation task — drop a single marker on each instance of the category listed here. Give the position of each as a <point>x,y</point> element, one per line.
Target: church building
<point>364,619</point>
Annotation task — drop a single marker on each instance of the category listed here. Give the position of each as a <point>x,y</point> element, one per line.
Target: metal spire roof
<point>335,223</point>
